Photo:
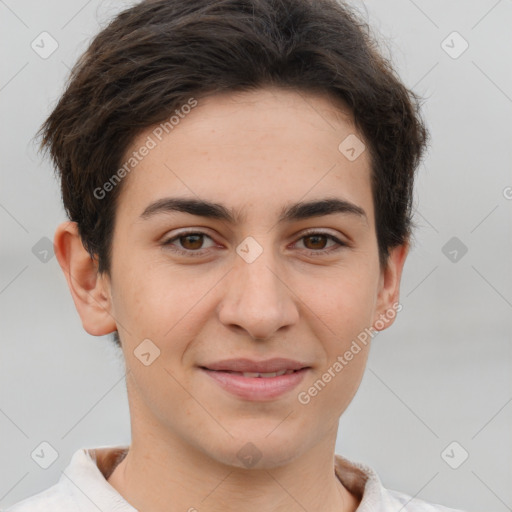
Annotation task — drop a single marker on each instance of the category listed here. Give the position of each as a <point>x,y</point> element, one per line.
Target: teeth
<point>266,375</point>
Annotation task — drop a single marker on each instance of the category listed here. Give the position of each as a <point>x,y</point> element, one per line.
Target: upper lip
<point>248,365</point>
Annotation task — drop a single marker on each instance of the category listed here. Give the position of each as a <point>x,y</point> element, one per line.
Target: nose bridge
<point>256,298</point>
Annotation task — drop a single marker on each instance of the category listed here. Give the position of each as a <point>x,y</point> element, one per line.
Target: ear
<point>90,291</point>
<point>389,288</point>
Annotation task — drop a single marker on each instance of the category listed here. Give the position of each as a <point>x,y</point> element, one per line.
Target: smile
<point>257,386</point>
<point>261,374</point>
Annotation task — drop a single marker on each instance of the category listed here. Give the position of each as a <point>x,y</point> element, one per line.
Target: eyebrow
<point>294,212</point>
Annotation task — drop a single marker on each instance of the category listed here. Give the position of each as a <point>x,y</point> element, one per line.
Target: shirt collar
<point>90,468</point>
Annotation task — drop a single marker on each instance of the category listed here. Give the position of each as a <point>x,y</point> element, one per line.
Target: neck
<point>155,474</point>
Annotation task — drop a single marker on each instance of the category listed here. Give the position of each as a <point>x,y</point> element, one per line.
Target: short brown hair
<point>154,56</point>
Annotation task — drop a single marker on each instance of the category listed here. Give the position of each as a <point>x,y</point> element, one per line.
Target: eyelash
<point>190,252</point>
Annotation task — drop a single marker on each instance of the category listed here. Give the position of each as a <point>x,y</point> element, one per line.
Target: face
<point>256,283</point>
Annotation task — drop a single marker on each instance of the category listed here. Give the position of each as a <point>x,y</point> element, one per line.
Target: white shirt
<point>83,487</point>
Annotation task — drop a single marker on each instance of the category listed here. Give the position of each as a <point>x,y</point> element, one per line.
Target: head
<point>240,111</point>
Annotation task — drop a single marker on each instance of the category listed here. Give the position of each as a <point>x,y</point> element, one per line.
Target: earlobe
<point>90,290</point>
<point>389,291</point>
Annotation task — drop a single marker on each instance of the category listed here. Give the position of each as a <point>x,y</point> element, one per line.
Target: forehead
<point>252,150</point>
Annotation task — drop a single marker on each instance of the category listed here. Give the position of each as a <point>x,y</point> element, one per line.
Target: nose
<point>257,298</point>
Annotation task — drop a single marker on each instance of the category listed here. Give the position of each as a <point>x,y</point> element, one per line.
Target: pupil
<point>317,237</point>
<point>197,241</point>
<point>196,245</point>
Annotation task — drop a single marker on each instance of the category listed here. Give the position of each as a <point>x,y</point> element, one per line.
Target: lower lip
<point>256,388</point>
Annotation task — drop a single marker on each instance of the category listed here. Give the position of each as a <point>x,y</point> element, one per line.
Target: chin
<point>260,450</point>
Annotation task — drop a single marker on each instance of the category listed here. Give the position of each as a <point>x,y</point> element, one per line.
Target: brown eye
<point>316,241</point>
<point>192,241</point>
<point>189,244</point>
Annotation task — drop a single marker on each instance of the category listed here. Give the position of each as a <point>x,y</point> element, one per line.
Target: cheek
<point>161,303</point>
<point>345,302</point>
<point>348,310</point>
<point>141,302</point>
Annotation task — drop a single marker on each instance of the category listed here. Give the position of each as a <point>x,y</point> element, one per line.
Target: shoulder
<point>363,481</point>
<point>63,495</point>
<point>82,485</point>
<point>56,498</point>
<point>409,504</point>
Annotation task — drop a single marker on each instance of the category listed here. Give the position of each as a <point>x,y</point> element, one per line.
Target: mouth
<point>255,375</point>
<point>264,368</point>
<point>257,380</point>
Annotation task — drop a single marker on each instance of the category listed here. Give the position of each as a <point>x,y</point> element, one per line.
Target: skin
<point>257,152</point>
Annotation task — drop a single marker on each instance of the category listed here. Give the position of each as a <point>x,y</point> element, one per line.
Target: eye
<point>190,242</point>
<point>315,242</point>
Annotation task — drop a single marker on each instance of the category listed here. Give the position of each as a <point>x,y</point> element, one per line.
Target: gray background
<point>441,373</point>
